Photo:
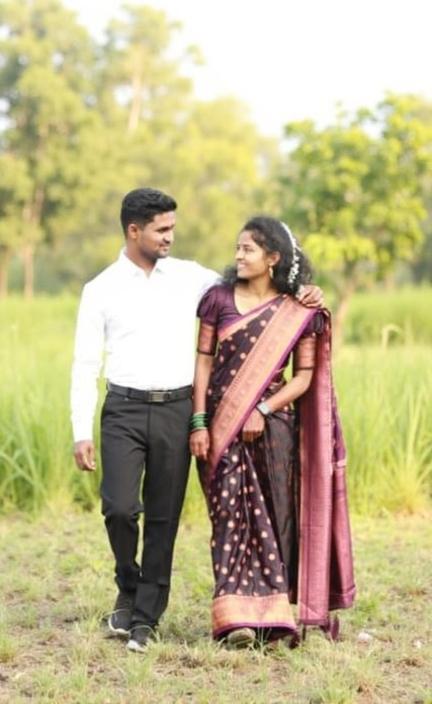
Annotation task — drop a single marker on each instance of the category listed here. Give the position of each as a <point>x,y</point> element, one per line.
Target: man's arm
<point>89,345</point>
<point>206,278</point>
<point>311,296</point>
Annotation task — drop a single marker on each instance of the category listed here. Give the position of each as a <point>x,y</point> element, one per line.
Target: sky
<point>291,60</point>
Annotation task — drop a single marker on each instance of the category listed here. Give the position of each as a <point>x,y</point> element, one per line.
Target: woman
<point>273,476</point>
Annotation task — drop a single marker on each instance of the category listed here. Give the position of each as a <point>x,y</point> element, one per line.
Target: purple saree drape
<point>278,536</point>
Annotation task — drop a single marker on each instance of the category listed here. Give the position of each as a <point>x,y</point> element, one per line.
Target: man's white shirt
<point>145,325</point>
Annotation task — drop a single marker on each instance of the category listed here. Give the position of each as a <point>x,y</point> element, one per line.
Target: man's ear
<point>132,231</point>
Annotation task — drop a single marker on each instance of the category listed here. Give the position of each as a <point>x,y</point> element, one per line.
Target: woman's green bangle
<point>198,422</point>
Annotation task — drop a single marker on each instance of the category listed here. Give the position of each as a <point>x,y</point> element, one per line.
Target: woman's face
<point>252,261</point>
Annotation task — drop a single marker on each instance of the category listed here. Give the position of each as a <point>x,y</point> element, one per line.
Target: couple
<point>250,446</point>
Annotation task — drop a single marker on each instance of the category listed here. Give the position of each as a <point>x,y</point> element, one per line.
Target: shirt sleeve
<point>206,278</point>
<point>88,355</point>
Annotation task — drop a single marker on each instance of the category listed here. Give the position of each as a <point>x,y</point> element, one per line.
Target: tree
<point>142,69</point>
<point>207,154</point>
<point>353,190</point>
<point>15,189</point>
<point>89,123</point>
<point>214,171</point>
<point>46,87</point>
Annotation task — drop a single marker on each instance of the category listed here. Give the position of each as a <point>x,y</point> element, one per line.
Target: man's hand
<point>311,296</point>
<point>253,427</point>
<point>84,453</point>
<point>199,443</point>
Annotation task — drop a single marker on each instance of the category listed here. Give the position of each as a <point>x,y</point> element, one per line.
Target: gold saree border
<point>231,610</point>
<point>241,323</point>
<point>259,364</point>
<point>325,574</point>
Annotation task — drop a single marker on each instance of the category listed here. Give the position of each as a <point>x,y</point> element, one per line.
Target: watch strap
<point>263,409</point>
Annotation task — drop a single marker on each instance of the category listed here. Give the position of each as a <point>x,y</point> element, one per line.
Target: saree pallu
<point>277,505</point>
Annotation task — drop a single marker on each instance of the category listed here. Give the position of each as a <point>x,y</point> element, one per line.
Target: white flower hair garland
<point>295,264</point>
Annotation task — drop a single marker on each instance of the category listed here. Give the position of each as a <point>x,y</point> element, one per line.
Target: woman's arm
<point>199,440</point>
<point>296,387</point>
<point>203,367</point>
<point>303,366</point>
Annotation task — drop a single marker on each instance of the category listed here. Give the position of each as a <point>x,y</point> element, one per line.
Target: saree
<point>278,505</point>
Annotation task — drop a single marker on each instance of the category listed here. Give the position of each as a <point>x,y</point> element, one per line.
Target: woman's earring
<point>271,273</point>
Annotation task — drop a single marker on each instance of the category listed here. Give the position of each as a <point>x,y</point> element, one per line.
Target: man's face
<point>153,240</point>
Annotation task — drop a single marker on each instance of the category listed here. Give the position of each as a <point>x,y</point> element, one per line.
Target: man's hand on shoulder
<point>84,453</point>
<point>311,296</point>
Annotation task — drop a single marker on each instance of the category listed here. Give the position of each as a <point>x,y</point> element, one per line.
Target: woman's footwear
<point>241,637</point>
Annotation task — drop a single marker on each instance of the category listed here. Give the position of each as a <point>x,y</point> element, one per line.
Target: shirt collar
<point>132,269</point>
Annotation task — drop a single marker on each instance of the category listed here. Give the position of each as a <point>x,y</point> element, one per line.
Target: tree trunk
<point>5,257</point>
<point>28,263</point>
<point>135,108</point>
<point>32,215</point>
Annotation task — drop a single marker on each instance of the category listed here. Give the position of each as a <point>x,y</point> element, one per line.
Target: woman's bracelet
<point>263,408</point>
<point>198,421</point>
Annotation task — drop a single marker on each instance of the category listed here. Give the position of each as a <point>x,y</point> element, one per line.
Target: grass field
<point>56,570</point>
<point>56,585</point>
<point>385,393</point>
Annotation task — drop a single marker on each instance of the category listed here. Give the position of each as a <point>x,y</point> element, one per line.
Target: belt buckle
<point>159,396</point>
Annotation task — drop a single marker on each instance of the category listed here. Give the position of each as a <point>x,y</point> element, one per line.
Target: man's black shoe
<point>140,637</point>
<point>119,621</point>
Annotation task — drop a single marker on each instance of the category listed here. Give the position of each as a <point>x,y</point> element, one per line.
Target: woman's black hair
<point>271,235</point>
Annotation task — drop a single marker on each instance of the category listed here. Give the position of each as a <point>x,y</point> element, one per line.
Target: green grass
<point>385,393</point>
<point>399,316</point>
<point>386,407</point>
<point>56,585</point>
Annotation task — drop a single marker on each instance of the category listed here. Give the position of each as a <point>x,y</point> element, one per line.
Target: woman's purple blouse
<point>217,308</point>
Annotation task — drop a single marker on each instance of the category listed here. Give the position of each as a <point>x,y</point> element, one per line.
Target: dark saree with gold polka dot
<point>278,505</point>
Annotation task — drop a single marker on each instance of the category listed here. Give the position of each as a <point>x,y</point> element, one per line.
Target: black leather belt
<point>153,395</point>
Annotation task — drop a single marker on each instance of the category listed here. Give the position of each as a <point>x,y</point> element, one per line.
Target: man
<point>141,312</point>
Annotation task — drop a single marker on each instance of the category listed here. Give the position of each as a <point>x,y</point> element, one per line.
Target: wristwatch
<point>263,409</point>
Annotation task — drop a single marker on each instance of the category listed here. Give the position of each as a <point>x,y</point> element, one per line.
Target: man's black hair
<point>141,205</point>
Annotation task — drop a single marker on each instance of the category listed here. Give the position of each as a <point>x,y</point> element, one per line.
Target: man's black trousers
<point>145,465</point>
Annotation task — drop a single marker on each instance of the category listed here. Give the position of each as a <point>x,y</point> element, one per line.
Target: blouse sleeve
<point>304,352</point>
<point>208,312</point>
<point>208,308</point>
<point>314,326</point>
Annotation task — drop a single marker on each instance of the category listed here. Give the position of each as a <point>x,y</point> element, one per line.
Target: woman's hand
<point>253,427</point>
<point>199,443</point>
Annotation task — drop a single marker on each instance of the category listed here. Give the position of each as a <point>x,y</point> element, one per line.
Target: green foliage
<point>86,122</point>
<point>51,127</point>
<point>213,170</point>
<point>354,189</point>
<point>83,122</point>
<point>15,188</point>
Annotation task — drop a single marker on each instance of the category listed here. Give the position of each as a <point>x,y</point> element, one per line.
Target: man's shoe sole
<point>117,632</point>
<point>135,647</point>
